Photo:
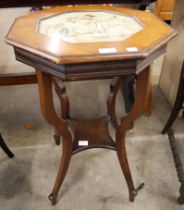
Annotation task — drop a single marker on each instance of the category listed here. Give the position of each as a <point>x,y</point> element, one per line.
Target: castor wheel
<point>52,198</point>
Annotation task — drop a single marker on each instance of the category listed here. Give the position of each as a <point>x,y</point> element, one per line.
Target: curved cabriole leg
<point>65,160</point>
<point>5,148</point>
<point>122,156</point>
<point>49,113</point>
<point>178,103</point>
<point>142,84</point>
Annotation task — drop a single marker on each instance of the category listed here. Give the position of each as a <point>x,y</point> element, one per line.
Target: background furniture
<point>173,59</point>
<point>164,9</point>
<point>5,147</point>
<point>172,85</point>
<point>178,105</point>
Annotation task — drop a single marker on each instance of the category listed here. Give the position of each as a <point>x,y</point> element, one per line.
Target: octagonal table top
<point>75,34</point>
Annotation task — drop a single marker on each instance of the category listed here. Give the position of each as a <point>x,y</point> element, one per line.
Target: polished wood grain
<point>17,78</point>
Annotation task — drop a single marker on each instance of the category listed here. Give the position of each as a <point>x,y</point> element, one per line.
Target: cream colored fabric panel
<point>174,56</point>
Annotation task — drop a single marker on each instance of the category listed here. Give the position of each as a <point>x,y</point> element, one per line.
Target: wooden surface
<point>164,9</point>
<point>61,52</point>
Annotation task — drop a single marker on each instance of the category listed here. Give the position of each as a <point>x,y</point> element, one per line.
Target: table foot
<point>134,193</point>
<point>52,198</point>
<point>5,148</point>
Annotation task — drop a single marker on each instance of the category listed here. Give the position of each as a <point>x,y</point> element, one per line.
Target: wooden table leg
<point>94,131</point>
<point>142,84</point>
<point>49,113</point>
<point>5,148</point>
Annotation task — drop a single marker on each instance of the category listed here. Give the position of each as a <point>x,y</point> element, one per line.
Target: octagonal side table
<point>86,43</point>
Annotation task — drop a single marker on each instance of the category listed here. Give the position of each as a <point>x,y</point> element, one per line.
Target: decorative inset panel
<point>90,26</point>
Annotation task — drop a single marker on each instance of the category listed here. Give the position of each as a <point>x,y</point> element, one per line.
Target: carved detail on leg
<point>61,125</point>
<point>5,148</point>
<point>64,101</point>
<point>142,83</point>
<point>111,100</point>
<point>178,103</point>
<point>61,92</point>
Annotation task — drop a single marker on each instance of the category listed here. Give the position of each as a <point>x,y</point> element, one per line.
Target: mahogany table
<point>85,43</point>
<point>22,78</point>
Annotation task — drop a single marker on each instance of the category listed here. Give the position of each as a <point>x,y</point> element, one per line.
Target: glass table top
<point>90,26</point>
